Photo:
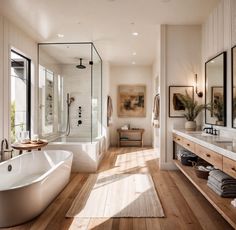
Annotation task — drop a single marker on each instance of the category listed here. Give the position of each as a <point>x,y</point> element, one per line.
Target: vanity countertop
<point>219,144</point>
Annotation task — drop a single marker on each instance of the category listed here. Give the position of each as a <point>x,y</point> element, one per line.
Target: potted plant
<point>218,110</point>
<point>192,110</point>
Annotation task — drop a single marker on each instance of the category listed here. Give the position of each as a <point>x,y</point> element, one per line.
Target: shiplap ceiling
<point>107,23</point>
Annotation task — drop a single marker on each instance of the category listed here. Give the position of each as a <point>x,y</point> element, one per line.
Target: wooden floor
<point>184,206</point>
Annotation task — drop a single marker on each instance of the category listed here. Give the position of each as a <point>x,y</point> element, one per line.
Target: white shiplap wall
<point>218,35</point>
<point>12,37</point>
<point>1,78</point>
<point>180,60</point>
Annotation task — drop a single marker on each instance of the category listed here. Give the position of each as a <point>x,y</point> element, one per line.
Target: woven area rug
<point>123,195</point>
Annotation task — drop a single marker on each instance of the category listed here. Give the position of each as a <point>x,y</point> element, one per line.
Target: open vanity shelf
<point>222,205</point>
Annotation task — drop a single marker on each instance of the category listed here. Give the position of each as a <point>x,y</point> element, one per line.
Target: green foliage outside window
<point>13,129</point>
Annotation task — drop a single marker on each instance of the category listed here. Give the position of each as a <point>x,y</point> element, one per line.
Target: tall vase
<point>190,125</point>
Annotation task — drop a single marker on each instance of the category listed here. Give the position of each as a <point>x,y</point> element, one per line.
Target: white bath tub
<point>86,155</point>
<point>29,182</point>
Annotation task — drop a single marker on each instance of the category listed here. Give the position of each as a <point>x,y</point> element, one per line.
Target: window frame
<point>28,88</point>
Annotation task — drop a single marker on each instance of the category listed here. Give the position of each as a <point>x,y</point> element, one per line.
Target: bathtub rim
<point>53,141</point>
<point>43,176</point>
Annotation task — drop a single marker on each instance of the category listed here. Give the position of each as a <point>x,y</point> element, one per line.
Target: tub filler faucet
<point>5,149</point>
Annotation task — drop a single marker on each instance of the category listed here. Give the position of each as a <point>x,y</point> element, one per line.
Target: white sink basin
<point>201,134</point>
<point>223,141</point>
<point>206,134</point>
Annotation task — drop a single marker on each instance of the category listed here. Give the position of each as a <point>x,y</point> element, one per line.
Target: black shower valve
<point>79,122</point>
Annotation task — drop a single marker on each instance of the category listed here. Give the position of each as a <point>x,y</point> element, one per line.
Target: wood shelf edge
<point>130,140</point>
<point>219,203</point>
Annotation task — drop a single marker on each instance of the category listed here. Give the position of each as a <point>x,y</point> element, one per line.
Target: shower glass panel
<point>76,96</point>
<point>96,95</point>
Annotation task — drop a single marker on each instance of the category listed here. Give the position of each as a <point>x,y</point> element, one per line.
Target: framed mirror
<point>233,59</point>
<point>215,90</point>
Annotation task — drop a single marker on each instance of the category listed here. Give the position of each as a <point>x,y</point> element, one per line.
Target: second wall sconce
<point>200,94</point>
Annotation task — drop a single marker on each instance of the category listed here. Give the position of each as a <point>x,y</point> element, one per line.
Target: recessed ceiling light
<point>212,61</point>
<point>134,53</point>
<point>135,33</point>
<point>133,62</point>
<point>60,35</point>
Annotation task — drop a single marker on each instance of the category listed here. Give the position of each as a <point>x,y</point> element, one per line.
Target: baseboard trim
<point>168,166</point>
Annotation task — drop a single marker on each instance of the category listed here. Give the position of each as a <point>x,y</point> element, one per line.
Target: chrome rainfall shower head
<point>81,66</point>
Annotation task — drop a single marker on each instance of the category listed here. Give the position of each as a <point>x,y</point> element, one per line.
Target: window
<point>20,94</point>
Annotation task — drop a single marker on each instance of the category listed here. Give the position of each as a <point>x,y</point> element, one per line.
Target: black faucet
<point>210,130</point>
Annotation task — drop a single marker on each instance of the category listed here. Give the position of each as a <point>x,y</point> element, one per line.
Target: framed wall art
<point>176,107</point>
<point>131,101</point>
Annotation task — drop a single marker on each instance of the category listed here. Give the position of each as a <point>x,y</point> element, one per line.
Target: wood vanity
<point>218,154</point>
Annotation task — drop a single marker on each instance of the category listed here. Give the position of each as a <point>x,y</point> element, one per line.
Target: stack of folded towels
<point>221,183</point>
<point>183,152</point>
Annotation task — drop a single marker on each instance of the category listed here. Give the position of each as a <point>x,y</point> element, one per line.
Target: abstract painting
<point>131,101</point>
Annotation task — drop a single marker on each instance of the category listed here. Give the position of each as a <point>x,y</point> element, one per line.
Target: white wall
<point>131,75</point>
<point>180,56</point>
<point>1,78</point>
<point>13,37</point>
<point>156,90</point>
<point>218,35</point>
<point>105,92</point>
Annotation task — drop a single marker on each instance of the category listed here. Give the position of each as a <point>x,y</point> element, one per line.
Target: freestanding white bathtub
<point>29,182</point>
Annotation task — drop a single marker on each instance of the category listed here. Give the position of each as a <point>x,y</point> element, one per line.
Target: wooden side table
<point>128,133</point>
<point>28,147</point>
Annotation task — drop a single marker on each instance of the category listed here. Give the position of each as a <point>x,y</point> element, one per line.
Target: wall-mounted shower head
<point>81,66</point>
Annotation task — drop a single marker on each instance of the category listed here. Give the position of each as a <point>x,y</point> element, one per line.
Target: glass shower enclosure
<point>70,91</point>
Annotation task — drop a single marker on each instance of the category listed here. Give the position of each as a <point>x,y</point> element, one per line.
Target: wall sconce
<point>200,94</point>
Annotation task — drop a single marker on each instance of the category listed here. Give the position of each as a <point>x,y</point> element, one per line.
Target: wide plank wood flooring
<point>184,206</point>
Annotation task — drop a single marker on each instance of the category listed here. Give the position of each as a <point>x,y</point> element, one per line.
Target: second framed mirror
<point>215,90</point>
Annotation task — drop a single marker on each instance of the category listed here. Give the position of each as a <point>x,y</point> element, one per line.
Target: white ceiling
<point>107,23</point>
<point>68,53</point>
